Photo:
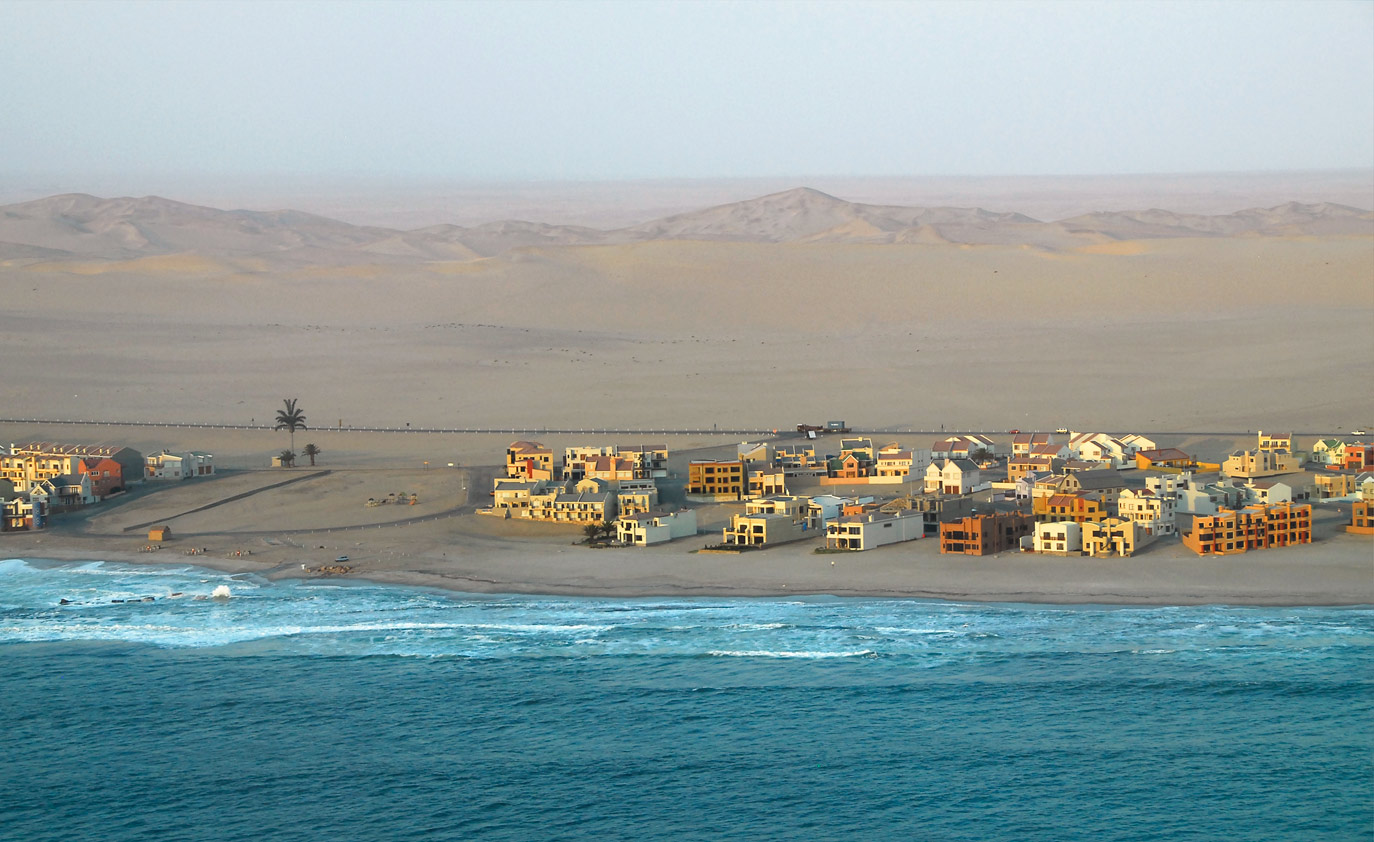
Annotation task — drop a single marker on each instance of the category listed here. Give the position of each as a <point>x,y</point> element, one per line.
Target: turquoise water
<point>302,710</point>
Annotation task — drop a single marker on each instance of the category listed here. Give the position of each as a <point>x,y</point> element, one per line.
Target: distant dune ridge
<point>81,227</point>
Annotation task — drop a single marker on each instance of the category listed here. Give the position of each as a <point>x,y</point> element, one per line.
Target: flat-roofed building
<point>717,479</point>
<point>757,530</point>
<point>1152,511</point>
<point>178,466</point>
<point>644,528</point>
<point>767,481</point>
<point>1232,531</point>
<point>1057,538</point>
<point>1113,536</point>
<point>1361,518</point>
<point>985,534</point>
<point>650,460</point>
<point>1259,463</point>
<point>873,529</point>
<point>1069,507</point>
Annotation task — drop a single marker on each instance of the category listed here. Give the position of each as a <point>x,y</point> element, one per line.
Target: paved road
<point>595,431</point>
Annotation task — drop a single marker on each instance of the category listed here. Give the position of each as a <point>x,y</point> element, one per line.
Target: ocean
<point>317,710</point>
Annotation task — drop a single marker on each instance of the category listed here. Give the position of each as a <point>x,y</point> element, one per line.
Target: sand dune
<point>82,227</point>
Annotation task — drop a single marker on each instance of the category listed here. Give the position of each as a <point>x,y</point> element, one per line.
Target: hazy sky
<point>579,90</point>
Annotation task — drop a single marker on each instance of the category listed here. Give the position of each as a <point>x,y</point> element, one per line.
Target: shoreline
<point>460,584</point>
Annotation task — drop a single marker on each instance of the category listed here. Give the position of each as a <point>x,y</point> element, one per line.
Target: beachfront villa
<point>642,529</point>
<point>870,530</point>
<point>985,534</point>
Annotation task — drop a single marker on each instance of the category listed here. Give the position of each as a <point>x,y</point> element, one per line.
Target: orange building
<point>1359,456</point>
<point>985,534</point>
<point>722,480</point>
<point>1361,518</point>
<point>1251,528</point>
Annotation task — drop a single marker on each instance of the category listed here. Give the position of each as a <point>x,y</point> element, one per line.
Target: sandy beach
<point>441,542</point>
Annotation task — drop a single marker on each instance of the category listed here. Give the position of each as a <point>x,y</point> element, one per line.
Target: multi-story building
<point>644,528</point>
<point>985,534</point>
<point>793,458</point>
<point>1199,498</point>
<point>529,460</point>
<point>1274,442</point>
<point>26,464</point>
<point>757,529</point>
<point>1361,518</point>
<point>1020,466</point>
<point>767,481</point>
<point>1358,456</point>
<point>1069,507</point>
<point>1057,538</point>
<point>716,479</point>
<point>178,466</point>
<point>650,460</point>
<point>1251,528</point>
<point>873,529</point>
<point>1022,443</point>
<point>1328,452</point>
<point>1105,482</point>
<point>952,476</point>
<point>577,457</point>
<point>558,505</point>
<point>1113,536</point>
<point>1259,463</point>
<point>1152,511</point>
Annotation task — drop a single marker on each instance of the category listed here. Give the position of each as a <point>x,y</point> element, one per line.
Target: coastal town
<point>1060,493</point>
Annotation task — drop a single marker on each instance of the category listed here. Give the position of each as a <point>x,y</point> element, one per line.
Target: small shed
<point>160,533</point>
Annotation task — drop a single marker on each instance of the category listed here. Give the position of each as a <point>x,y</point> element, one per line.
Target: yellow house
<point>1259,463</point>
<point>1113,536</point>
<point>757,530</point>
<point>1274,441</point>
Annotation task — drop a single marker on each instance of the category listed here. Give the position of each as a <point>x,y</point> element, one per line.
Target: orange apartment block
<point>717,478</point>
<point>985,534</point>
<point>1232,531</point>
<point>1361,518</point>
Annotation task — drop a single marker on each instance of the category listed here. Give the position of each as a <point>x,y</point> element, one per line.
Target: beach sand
<point>441,542</point>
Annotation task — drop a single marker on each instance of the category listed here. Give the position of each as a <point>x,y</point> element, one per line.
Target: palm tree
<point>312,451</point>
<point>288,459</point>
<point>290,419</point>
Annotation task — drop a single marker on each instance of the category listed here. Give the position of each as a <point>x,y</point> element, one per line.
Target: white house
<point>170,466</point>
<point>644,528</point>
<point>1063,538</point>
<point>874,529</point>
<point>1150,510</point>
<point>952,476</point>
<point>1268,492</point>
<point>1208,498</point>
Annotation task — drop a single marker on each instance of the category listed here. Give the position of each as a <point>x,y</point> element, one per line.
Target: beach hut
<point>160,533</point>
